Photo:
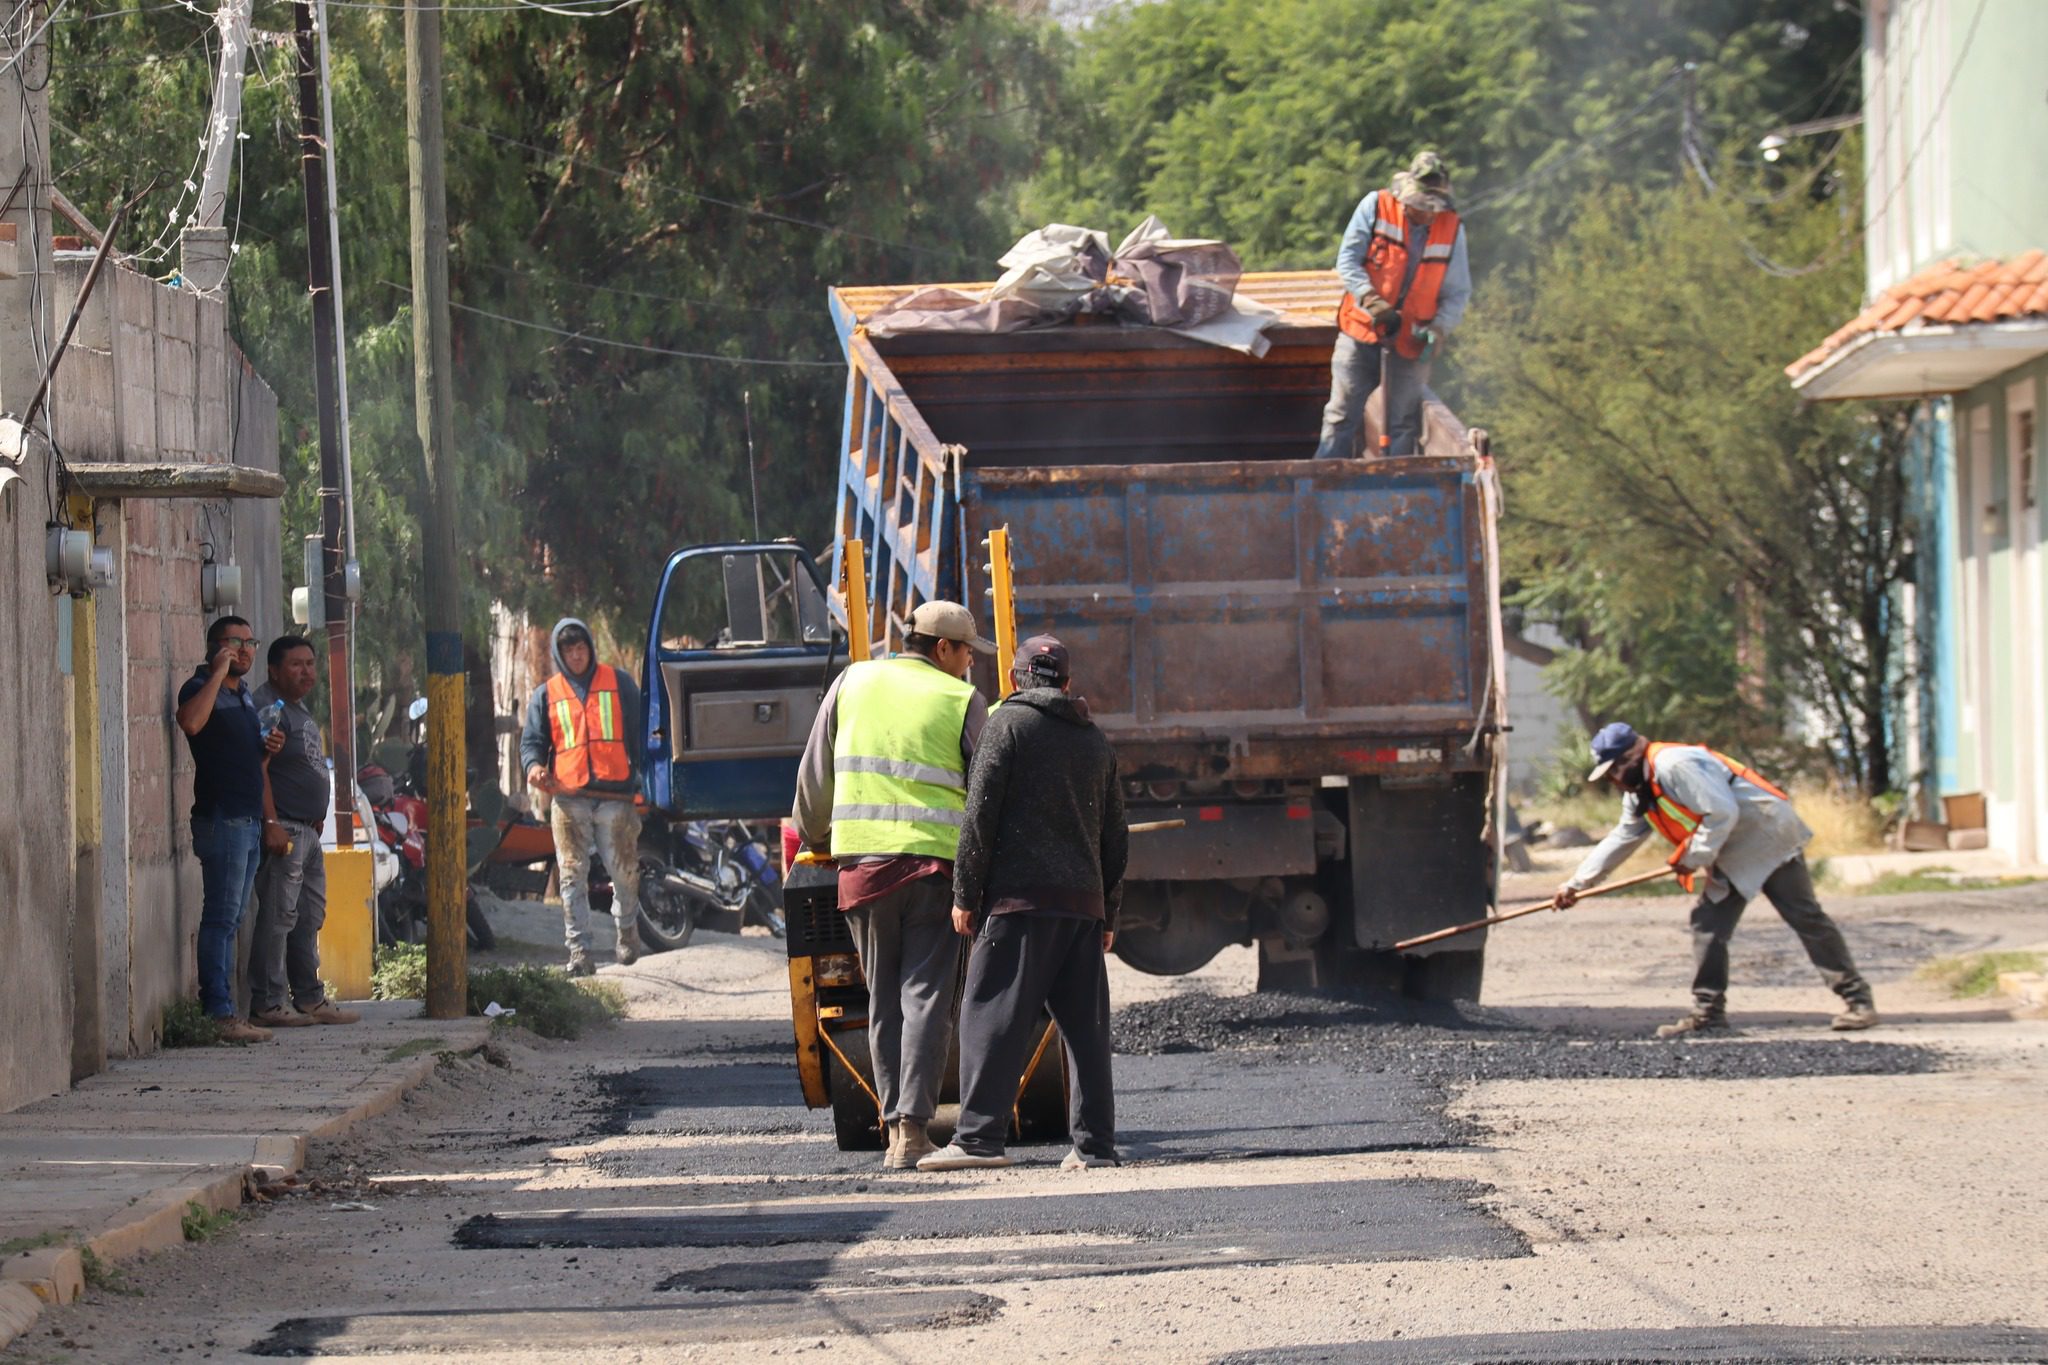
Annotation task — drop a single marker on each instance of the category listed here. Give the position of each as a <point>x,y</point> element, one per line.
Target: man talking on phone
<point>230,792</point>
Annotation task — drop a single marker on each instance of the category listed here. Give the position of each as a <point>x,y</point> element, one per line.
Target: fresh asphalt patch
<point>709,1320</point>
<point>1365,1220</point>
<point>1744,1345</point>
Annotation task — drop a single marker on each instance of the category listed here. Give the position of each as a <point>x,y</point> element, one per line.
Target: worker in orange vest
<point>1406,282</point>
<point>583,745</point>
<point>1726,821</point>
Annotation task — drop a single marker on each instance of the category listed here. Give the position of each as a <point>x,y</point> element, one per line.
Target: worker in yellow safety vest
<point>583,745</point>
<point>1406,281</point>
<point>883,787</point>
<point>1724,820</point>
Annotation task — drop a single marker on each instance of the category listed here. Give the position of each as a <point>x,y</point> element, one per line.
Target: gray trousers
<point>586,827</point>
<point>1354,374</point>
<point>1790,892</point>
<point>291,905</point>
<point>1023,965</point>
<point>911,958</point>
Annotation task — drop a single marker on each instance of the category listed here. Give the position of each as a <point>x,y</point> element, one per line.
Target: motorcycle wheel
<point>668,917</point>
<point>396,922</point>
<point>481,935</point>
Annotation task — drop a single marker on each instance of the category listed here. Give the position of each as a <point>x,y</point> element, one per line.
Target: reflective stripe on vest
<point>1676,822</point>
<point>589,732</point>
<point>1386,265</point>
<point>898,781</point>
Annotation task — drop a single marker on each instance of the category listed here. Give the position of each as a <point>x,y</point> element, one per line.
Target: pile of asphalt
<point>1464,1043</point>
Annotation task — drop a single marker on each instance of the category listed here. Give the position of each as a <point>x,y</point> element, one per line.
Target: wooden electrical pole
<point>447,822</point>
<point>326,395</point>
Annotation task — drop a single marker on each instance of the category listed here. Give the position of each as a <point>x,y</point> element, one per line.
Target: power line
<point>596,340</point>
<point>735,205</point>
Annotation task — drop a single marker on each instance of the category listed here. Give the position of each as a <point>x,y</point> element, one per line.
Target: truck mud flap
<point>1419,860</point>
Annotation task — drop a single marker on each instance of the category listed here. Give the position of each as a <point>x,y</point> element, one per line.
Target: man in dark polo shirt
<point>229,793</point>
<point>291,887</point>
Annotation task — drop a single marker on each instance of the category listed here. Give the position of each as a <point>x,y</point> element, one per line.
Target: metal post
<point>1004,595</point>
<point>333,557</point>
<point>447,948</point>
<point>854,557</point>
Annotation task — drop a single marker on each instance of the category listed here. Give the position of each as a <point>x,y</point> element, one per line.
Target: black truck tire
<point>1446,977</point>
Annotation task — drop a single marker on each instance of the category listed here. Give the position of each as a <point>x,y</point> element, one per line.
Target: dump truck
<point>1300,658</point>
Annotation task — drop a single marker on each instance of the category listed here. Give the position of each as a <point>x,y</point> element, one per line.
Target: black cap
<point>1041,662</point>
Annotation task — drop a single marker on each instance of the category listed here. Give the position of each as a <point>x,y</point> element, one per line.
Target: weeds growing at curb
<point>203,1224</point>
<point>103,1275</point>
<point>399,972</point>
<point>14,1246</point>
<point>187,1025</point>
<point>412,1048</point>
<point>1976,974</point>
<point>548,1003</point>
<point>1932,879</point>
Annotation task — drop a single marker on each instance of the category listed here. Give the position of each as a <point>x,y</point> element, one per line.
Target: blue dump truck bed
<point>1297,656</point>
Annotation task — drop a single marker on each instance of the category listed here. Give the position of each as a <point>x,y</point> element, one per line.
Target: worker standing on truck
<point>1406,283</point>
<point>883,785</point>
<point>1036,886</point>
<point>1727,821</point>
<point>583,743</point>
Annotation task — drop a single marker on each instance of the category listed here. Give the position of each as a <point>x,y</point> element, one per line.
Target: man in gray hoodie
<point>584,743</point>
<point>1036,884</point>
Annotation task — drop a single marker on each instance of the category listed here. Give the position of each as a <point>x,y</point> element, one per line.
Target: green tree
<point>1718,551</point>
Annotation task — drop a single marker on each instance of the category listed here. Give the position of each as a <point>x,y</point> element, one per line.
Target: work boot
<point>1699,1021</point>
<point>1861,1014</point>
<point>242,1031</point>
<point>909,1144</point>
<point>627,952</point>
<point>954,1157</point>
<point>327,1012</point>
<point>1078,1160</point>
<point>580,965</point>
<point>280,1017</point>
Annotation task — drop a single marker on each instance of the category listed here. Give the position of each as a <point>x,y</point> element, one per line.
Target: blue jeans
<point>228,851</point>
<point>1354,374</point>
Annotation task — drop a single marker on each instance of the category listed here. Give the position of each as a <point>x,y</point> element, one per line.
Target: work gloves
<point>1386,319</point>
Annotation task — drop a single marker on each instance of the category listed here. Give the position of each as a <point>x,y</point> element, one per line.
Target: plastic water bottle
<point>270,717</point>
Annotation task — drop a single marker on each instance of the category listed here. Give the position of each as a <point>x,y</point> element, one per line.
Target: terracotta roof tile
<point>1946,294</point>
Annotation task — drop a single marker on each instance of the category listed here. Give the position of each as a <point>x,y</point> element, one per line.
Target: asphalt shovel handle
<point>1537,908</point>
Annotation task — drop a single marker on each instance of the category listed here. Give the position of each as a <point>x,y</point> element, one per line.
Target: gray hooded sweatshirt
<point>537,739</point>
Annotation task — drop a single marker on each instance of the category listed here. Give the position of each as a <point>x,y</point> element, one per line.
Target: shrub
<point>400,972</point>
<point>1976,974</point>
<point>187,1025</point>
<point>548,1003</point>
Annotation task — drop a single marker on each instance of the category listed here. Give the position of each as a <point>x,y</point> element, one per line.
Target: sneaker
<point>908,1145</point>
<point>580,965</point>
<point>954,1157</point>
<point>280,1017</point>
<point>242,1031</point>
<point>327,1012</point>
<point>1861,1014</point>
<point>1078,1160</point>
<point>1699,1021</point>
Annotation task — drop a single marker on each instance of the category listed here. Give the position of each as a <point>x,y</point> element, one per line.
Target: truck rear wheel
<point>1445,976</point>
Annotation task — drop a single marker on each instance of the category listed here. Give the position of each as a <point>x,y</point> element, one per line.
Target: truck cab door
<point>740,650</point>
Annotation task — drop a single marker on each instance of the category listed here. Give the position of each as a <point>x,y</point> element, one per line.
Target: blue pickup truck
<point>1300,659</point>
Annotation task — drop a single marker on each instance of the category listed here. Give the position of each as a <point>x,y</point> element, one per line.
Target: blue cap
<point>1610,746</point>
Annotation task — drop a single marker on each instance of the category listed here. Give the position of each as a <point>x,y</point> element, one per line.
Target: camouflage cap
<point>1428,169</point>
<point>1425,187</point>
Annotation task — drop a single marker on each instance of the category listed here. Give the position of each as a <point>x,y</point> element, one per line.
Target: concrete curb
<point>56,1274</point>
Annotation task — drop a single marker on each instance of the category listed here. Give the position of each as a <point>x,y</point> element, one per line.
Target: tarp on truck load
<point>1184,285</point>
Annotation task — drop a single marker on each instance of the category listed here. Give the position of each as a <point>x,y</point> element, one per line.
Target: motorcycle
<point>719,873</point>
<point>401,814</point>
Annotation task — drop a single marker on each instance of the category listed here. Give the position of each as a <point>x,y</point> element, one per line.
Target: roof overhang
<point>1924,362</point>
<point>181,480</point>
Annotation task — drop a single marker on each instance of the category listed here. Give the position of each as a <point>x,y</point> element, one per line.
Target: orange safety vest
<point>1676,822</point>
<point>1386,265</point>
<point>590,734</point>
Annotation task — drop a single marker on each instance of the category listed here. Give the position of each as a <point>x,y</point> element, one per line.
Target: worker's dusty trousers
<point>1354,374</point>
<point>911,958</point>
<point>1023,965</point>
<point>1790,892</point>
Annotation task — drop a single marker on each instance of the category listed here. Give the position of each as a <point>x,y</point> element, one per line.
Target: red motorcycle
<point>402,825</point>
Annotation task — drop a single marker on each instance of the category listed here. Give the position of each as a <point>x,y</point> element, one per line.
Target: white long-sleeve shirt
<point>1745,833</point>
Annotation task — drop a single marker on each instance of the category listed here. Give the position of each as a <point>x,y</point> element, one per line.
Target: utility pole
<point>203,247</point>
<point>447,946</point>
<point>333,553</point>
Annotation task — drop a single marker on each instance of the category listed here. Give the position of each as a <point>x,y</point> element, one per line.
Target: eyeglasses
<point>240,641</point>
